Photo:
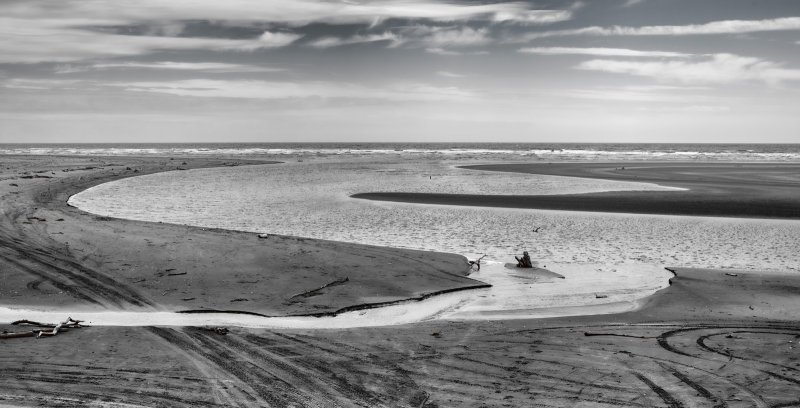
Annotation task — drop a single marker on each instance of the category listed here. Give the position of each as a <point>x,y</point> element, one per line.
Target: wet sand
<point>710,339</point>
<point>713,338</point>
<point>712,189</point>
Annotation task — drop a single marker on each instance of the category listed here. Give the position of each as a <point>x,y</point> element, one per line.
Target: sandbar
<point>756,190</point>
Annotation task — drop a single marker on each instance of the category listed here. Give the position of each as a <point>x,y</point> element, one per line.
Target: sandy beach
<point>724,338</point>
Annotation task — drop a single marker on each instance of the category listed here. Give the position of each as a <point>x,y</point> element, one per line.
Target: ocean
<point>528,151</point>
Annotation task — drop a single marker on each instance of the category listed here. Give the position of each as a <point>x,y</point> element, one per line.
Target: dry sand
<point>713,338</point>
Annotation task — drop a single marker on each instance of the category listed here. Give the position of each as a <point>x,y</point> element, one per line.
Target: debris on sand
<point>43,329</point>
<point>420,400</point>
<point>177,273</point>
<point>475,263</point>
<point>589,334</point>
<point>219,330</point>
<point>315,292</point>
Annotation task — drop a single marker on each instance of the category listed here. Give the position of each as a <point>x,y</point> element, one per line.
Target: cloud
<point>655,93</point>
<point>285,90</point>
<point>255,89</point>
<point>70,68</point>
<point>715,27</point>
<point>441,40</point>
<point>60,41</point>
<point>533,16</point>
<point>452,37</point>
<point>691,109</point>
<point>607,52</point>
<point>448,74</point>
<point>43,84</point>
<point>327,42</point>
<point>37,31</point>
<point>212,67</point>
<point>292,12</point>
<point>631,3</point>
<point>431,37</point>
<point>719,69</point>
<point>703,108</point>
<point>447,52</point>
<point>442,51</point>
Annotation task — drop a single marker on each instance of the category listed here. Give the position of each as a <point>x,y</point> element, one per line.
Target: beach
<point>713,337</point>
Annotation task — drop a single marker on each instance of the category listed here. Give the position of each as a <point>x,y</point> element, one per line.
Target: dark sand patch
<point>714,189</point>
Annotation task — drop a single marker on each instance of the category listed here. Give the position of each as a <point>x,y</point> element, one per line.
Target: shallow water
<point>511,298</point>
<point>607,259</point>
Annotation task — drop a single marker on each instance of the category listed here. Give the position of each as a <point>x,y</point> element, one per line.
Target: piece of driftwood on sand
<point>477,262</point>
<point>52,329</point>
<point>313,292</point>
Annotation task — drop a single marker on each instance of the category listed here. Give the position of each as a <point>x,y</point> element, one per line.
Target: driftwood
<point>588,334</point>
<point>424,400</point>
<point>218,330</point>
<point>53,329</point>
<point>32,323</point>
<point>313,292</point>
<point>419,399</point>
<point>475,263</point>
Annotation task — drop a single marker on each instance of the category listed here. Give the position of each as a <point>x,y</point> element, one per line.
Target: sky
<point>640,71</point>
